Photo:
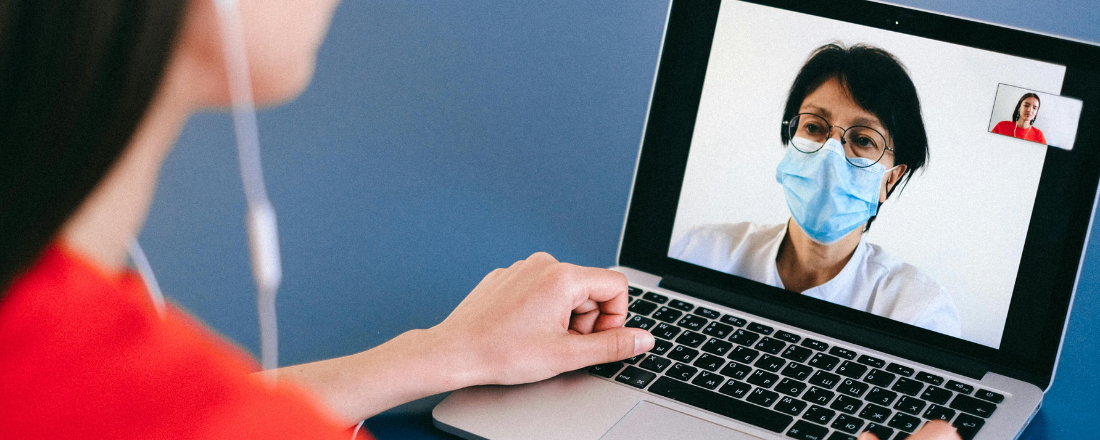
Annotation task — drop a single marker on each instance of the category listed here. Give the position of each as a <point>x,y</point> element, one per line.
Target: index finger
<point>607,288</point>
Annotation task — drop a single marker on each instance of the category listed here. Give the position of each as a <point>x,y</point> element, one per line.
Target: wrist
<point>449,358</point>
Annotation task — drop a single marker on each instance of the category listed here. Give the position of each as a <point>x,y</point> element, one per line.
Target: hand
<point>539,318</point>
<point>933,430</point>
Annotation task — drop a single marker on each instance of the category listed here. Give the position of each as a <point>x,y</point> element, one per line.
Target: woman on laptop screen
<point>1022,125</point>
<point>853,130</point>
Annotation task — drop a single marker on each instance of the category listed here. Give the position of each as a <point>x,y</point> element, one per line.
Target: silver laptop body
<point>740,358</point>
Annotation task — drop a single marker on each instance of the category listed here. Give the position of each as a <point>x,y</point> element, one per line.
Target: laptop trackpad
<point>649,421</point>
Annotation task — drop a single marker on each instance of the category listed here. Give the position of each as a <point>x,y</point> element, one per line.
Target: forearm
<point>416,364</point>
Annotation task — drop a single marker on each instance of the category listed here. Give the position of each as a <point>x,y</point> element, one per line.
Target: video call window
<point>857,166</point>
<point>1016,114</point>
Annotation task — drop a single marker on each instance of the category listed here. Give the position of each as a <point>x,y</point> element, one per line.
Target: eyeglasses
<point>863,146</point>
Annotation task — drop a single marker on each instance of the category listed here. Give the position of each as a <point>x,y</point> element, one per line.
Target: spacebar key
<point>720,404</point>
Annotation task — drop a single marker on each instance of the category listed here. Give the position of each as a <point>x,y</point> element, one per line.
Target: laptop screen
<point>925,176</point>
<point>880,171</point>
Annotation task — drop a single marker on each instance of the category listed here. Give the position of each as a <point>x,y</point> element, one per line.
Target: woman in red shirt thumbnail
<point>1023,119</point>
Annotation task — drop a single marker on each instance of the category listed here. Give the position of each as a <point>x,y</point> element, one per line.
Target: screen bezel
<point>1056,237</point>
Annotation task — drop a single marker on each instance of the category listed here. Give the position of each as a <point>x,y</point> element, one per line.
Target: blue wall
<point>441,140</point>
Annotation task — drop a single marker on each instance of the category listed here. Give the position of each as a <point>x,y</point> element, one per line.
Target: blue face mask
<point>827,196</point>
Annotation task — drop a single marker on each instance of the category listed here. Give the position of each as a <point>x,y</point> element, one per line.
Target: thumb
<point>609,345</point>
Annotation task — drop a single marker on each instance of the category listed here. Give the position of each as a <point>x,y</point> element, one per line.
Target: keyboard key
<point>936,395</point>
<point>790,405</point>
<point>973,406</point>
<point>848,424</point>
<point>743,354</point>
<point>720,404</point>
<point>797,371</point>
<point>734,321</point>
<point>968,425</point>
<point>708,380</point>
<point>907,386</point>
<point>707,313</point>
<point>851,369</point>
<point>875,413</point>
<point>803,430</point>
<point>692,322</point>
<point>989,396</point>
<point>681,371</point>
<point>815,344</point>
<point>655,363</point>
<point>900,370</point>
<point>760,328</point>
<point>709,362</point>
<point>818,396</point>
<point>665,331</point>
<point>769,345</point>
<point>904,422</point>
<point>784,335</point>
<point>880,378</point>
<point>717,347</point>
<point>819,415</point>
<point>872,361</point>
<point>823,361</point>
<point>825,379</point>
<point>744,337</point>
<point>790,387</point>
<point>634,291</point>
<point>929,378</point>
<point>959,387</point>
<point>879,431</point>
<point>667,314</point>
<point>837,435</point>
<point>770,363</point>
<point>852,388</point>
<point>938,412</point>
<point>881,396</point>
<point>842,353</point>
<point>682,354</point>
<point>677,304</point>
<point>735,388</point>
<point>718,330</point>
<point>910,405</point>
<point>640,322</point>
<point>655,297</point>
<point>634,359</point>
<point>660,347</point>
<point>796,353</point>
<point>762,378</point>
<point>691,339</point>
<point>635,377</point>
<point>847,404</point>
<point>736,370</point>
<point>762,397</point>
<point>642,307</point>
<point>607,370</point>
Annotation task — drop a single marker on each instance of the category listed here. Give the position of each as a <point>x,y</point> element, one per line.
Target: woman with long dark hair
<point>1022,125</point>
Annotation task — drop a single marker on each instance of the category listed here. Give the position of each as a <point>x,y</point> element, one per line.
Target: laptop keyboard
<point>782,382</point>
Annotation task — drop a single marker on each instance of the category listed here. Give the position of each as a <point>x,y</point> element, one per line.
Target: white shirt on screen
<point>873,280</point>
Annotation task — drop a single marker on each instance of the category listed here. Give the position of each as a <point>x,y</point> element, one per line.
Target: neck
<point>112,215</point>
<point>1023,123</point>
<point>803,263</point>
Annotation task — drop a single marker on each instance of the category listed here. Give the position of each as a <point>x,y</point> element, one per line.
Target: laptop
<point>846,216</point>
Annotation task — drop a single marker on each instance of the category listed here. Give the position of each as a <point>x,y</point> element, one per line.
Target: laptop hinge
<point>856,334</point>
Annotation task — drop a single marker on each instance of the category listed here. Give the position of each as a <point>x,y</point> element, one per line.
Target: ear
<point>889,180</point>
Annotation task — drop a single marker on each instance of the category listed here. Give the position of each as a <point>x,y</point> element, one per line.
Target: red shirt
<point>83,354</point>
<point>1009,128</point>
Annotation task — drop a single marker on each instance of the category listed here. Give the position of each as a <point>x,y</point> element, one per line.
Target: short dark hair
<point>76,78</point>
<point>879,83</point>
<point>1016,112</point>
